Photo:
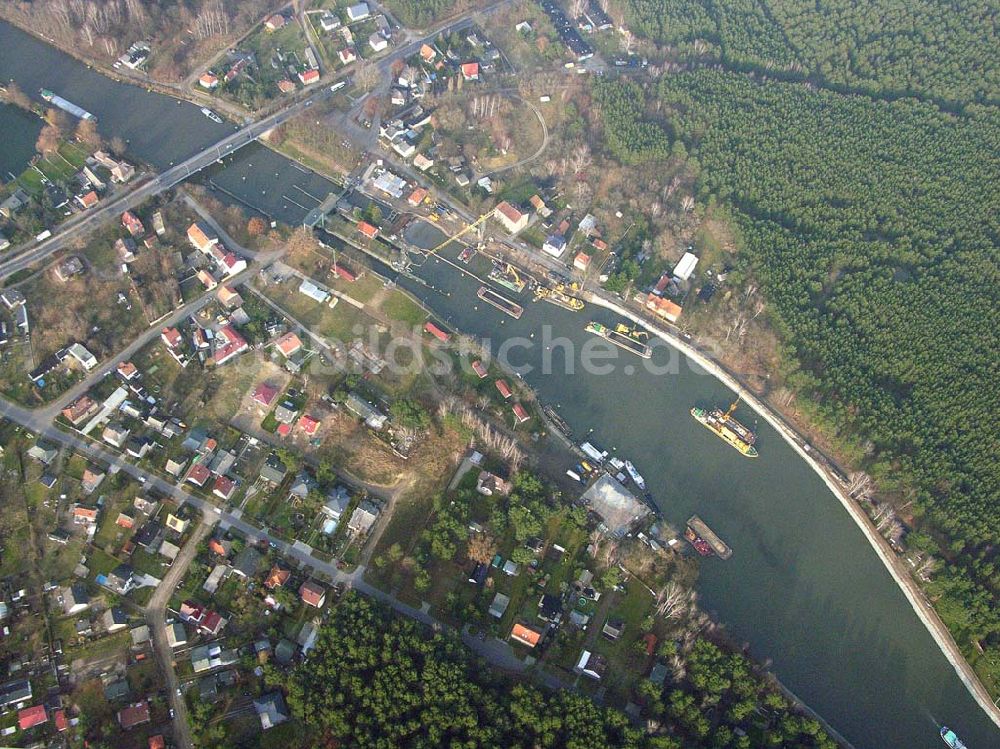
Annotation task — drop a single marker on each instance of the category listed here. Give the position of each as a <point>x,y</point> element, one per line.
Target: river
<point>804,588</point>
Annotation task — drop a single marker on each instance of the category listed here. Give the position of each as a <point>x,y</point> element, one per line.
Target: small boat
<point>951,738</point>
<point>466,255</point>
<point>700,545</point>
<point>211,115</point>
<point>636,476</point>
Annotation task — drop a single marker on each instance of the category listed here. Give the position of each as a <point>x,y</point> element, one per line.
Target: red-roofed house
<point>285,86</point>
<point>427,53</point>
<point>264,394</point>
<point>312,593</point>
<point>308,424</point>
<point>519,413</point>
<point>309,76</point>
<point>127,370</point>
<point>504,389</point>
<point>224,488</point>
<point>581,261</point>
<point>277,578</point>
<point>344,273</point>
<point>479,369</point>
<point>283,430</point>
<point>525,635</point>
<point>171,337</point>
<point>347,55</point>
<point>367,229</point>
<point>134,715</point>
<point>31,717</point>
<point>132,224</point>
<point>88,200</point>
<point>198,474</point>
<point>234,345</point>
<point>663,307</point>
<point>435,331</point>
<point>275,22</point>
<point>470,71</point>
<point>208,80</point>
<point>60,720</point>
<point>289,344</point>
<point>417,196</point>
<point>201,236</point>
<point>157,742</point>
<point>511,218</point>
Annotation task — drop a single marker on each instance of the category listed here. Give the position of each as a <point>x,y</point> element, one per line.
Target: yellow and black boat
<point>557,295</point>
<point>727,428</point>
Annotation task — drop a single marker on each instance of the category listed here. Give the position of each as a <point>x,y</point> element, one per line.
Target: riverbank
<point>921,606</point>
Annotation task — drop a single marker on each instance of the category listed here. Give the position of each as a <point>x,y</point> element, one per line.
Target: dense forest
<point>421,14</point>
<point>380,681</point>
<point>873,229</point>
<point>935,49</point>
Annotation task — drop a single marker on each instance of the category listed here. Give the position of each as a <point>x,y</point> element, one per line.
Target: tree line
<point>944,51</point>
<point>377,680</point>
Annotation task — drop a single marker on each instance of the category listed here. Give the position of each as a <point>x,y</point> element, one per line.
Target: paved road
<point>30,254</point>
<point>156,618</point>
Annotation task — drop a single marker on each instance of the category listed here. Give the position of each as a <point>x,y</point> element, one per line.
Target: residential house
<point>525,635</point>
<point>499,605</point>
<point>337,503</point>
<point>277,578</point>
<point>555,245</point>
<point>613,629</point>
<point>312,593</point>
<point>87,200</point>
<point>121,579</point>
<point>363,517</point>
<point>134,715</point>
<point>347,55</point>
<point>275,22</point>
<point>215,578</point>
<point>43,453</point>
<point>79,410</point>
<point>68,268</point>
<point>273,471</point>
<point>423,163</point>
<point>176,635</point>
<point>512,219</point>
<point>329,21</point>
<point>15,691</point>
<point>132,224</point>
<point>247,562</point>
<point>289,344</point>
<point>358,12</point>
<point>591,664</point>
<point>208,80</point>
<point>271,707</point>
<point>30,717</point>
<point>581,261</point>
<point>202,236</point>
<point>82,355</point>
<point>365,410</point>
<point>179,525</point>
<point>115,434</point>
<point>75,599</point>
<point>92,478</point>
<point>264,394</point>
<point>668,310</point>
<point>224,488</point>
<point>114,620</point>
<point>470,71</point>
<point>550,608</point>
<point>309,76</point>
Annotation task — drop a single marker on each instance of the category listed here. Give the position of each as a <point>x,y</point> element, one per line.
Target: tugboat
<point>727,428</point>
<point>951,738</point>
<point>211,115</point>
<point>700,545</point>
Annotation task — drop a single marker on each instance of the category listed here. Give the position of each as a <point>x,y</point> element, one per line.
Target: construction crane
<point>461,233</point>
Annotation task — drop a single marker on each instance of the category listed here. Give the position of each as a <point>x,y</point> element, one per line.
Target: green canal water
<point>803,590</point>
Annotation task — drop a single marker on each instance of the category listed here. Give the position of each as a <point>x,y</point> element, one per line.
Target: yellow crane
<point>461,233</point>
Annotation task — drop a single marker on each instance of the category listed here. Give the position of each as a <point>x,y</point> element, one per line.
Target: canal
<point>804,588</point>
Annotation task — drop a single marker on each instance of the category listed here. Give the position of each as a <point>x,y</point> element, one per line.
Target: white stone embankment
<point>921,606</point>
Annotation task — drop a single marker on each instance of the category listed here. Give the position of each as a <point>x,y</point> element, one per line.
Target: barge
<point>624,337</point>
<point>66,106</point>
<point>501,303</point>
<point>558,296</point>
<point>697,527</point>
<point>558,422</point>
<point>506,275</point>
<point>724,426</point>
